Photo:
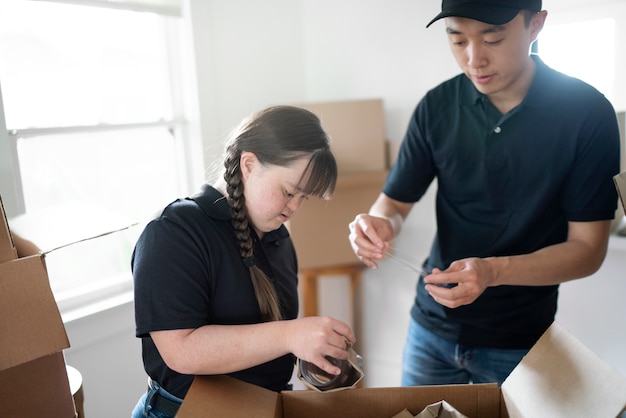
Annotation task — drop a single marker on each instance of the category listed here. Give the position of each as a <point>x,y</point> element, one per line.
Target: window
<point>96,132</point>
<point>585,50</point>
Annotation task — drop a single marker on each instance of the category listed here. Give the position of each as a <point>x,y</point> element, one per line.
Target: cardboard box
<point>33,375</point>
<point>358,141</point>
<point>559,378</point>
<point>357,132</point>
<point>620,185</point>
<point>619,222</point>
<point>320,229</point>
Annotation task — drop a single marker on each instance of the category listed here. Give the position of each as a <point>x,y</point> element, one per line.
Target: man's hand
<point>369,237</point>
<point>461,283</point>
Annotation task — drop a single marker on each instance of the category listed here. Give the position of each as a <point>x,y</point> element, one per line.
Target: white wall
<point>251,54</point>
<point>108,356</point>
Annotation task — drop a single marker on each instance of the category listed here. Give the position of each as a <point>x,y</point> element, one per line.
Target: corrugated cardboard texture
<point>404,414</point>
<point>37,389</point>
<point>357,132</point>
<point>30,322</point>
<point>320,229</point>
<point>561,378</point>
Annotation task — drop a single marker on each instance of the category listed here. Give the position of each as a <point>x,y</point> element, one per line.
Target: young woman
<point>216,273</point>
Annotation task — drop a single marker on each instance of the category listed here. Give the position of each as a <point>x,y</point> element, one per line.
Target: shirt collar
<point>214,204</point>
<point>542,90</point>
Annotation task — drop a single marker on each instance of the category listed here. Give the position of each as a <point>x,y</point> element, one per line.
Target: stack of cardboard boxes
<point>358,141</point>
<point>33,374</point>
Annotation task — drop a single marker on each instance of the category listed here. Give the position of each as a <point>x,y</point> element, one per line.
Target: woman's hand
<point>219,349</point>
<point>315,337</point>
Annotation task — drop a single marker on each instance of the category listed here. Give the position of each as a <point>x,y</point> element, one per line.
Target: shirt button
<point>497,129</point>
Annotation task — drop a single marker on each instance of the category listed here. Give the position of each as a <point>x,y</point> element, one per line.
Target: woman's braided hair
<point>278,136</point>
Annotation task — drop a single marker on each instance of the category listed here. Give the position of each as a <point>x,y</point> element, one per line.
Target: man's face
<point>495,57</point>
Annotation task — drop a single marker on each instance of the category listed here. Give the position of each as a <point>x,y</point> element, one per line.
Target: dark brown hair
<point>278,136</point>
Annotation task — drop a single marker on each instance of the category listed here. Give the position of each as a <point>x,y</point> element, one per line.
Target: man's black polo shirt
<point>507,185</point>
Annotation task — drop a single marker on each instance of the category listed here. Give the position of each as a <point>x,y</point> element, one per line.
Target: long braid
<point>277,136</point>
<point>263,288</point>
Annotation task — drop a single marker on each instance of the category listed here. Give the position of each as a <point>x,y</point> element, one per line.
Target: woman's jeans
<point>432,360</point>
<point>147,407</point>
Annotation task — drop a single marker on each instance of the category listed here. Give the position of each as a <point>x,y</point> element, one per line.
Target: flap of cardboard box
<point>74,222</point>
<point>30,322</point>
<point>620,184</point>
<point>7,249</point>
<point>223,396</point>
<point>560,377</point>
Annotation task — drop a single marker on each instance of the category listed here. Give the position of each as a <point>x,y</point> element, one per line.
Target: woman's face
<point>271,192</point>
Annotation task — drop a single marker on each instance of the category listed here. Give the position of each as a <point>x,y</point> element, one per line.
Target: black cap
<point>494,12</point>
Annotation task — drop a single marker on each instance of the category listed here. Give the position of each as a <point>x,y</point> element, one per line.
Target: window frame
<point>185,131</point>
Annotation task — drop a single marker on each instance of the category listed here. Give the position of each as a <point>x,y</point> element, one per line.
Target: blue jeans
<point>431,360</point>
<point>145,409</point>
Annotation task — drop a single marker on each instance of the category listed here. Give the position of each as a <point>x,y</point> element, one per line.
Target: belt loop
<point>158,399</point>
<point>152,391</point>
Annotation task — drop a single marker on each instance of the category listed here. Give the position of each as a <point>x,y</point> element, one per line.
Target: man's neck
<point>511,97</point>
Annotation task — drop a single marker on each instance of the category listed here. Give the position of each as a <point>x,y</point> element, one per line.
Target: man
<point>524,158</point>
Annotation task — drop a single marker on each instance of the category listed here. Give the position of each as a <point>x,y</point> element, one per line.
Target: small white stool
<point>76,387</point>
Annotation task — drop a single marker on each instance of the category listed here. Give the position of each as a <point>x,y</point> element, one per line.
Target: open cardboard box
<point>33,374</point>
<point>559,378</point>
<point>620,185</point>
<point>619,223</point>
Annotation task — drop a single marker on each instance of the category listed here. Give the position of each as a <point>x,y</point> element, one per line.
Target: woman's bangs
<point>320,176</point>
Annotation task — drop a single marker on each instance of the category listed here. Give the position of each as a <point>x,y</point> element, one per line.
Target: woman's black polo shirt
<point>188,273</point>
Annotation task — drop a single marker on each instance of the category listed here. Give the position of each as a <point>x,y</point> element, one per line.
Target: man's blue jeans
<point>431,360</point>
